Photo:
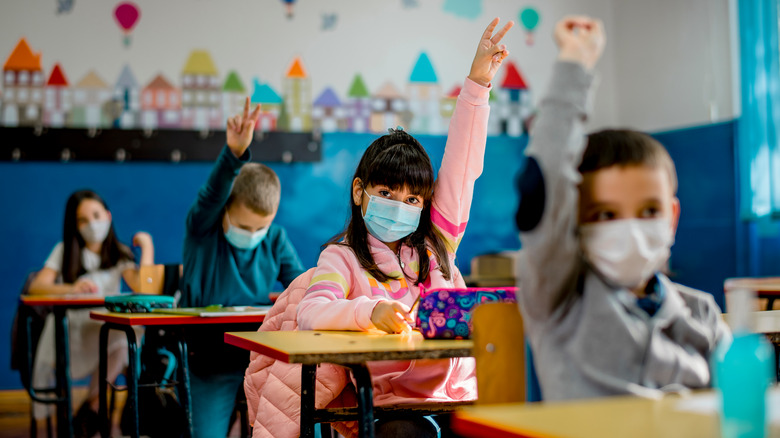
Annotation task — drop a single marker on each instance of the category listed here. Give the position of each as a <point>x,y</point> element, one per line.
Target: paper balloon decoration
<point>530,19</point>
<point>126,15</point>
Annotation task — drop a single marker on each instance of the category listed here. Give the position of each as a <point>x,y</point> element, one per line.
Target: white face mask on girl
<point>95,231</point>
<point>627,252</point>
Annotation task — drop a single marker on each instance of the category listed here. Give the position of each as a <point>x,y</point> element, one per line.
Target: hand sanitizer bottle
<point>743,372</point>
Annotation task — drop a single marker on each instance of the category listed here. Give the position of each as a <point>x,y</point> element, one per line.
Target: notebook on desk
<point>215,311</point>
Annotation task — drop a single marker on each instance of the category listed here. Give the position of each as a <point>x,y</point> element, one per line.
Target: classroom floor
<point>15,414</point>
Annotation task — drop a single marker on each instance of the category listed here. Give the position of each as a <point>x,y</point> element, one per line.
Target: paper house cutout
<point>328,115</point>
<point>58,99</point>
<point>233,95</point>
<point>358,106</point>
<point>160,104</point>
<point>297,107</point>
<point>387,107</point>
<point>127,94</point>
<point>23,85</point>
<point>424,94</point>
<point>270,106</point>
<point>201,93</point>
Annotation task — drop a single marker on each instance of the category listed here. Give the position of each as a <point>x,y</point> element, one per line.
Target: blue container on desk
<point>743,372</point>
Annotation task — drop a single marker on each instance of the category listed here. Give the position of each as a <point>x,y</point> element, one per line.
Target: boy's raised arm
<point>212,196</point>
<point>550,248</point>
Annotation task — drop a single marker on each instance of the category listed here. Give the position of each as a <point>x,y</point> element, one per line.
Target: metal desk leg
<point>184,376</point>
<point>308,385</point>
<point>132,377</point>
<point>62,350</point>
<point>105,419</point>
<point>365,398</point>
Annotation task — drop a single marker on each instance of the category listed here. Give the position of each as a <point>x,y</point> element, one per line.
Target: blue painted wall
<point>711,245</point>
<point>155,197</point>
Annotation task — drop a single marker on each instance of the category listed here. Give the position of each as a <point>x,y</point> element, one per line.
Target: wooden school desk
<point>62,389</point>
<point>125,322</point>
<point>765,287</point>
<point>349,349</point>
<point>613,417</point>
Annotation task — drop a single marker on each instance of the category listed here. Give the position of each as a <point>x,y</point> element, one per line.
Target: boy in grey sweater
<point>597,219</point>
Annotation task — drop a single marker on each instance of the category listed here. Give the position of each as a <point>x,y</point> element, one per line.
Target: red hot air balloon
<point>126,15</point>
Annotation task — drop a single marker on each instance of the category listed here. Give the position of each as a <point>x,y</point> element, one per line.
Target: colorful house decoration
<point>358,106</point>
<point>201,94</point>
<point>233,96</point>
<point>296,90</point>
<point>23,85</point>
<point>327,113</point>
<point>270,106</point>
<point>424,94</point>
<point>58,99</point>
<point>160,104</point>
<point>127,93</point>
<point>513,104</point>
<point>204,101</point>
<point>91,96</point>
<point>387,106</point>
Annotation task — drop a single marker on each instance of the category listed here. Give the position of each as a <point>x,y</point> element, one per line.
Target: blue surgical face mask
<point>390,221</point>
<point>243,239</point>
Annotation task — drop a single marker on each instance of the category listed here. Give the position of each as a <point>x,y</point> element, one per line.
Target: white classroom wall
<point>674,64</point>
<point>667,63</point>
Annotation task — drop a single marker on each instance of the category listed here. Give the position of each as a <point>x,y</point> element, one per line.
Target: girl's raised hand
<point>489,54</point>
<point>240,129</point>
<point>581,39</point>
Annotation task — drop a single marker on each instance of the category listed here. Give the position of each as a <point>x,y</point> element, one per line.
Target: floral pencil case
<point>446,313</point>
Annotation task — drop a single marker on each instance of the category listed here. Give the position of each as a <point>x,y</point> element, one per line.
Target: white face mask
<point>95,231</point>
<point>627,252</point>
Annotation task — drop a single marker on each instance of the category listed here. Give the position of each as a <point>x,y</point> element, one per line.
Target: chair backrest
<point>159,279</point>
<point>499,350</point>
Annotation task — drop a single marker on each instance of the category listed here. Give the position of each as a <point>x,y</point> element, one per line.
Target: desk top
<point>762,285</point>
<point>599,418</point>
<point>346,347</point>
<point>73,300</point>
<point>148,319</point>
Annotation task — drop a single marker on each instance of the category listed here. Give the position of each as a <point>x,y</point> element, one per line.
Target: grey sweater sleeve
<point>549,263</point>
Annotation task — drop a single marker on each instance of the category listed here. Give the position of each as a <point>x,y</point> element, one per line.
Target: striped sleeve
<point>461,165</point>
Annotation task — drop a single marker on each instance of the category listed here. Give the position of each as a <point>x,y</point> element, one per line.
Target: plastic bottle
<point>743,372</point>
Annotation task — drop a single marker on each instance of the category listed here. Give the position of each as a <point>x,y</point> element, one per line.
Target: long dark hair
<point>111,252</point>
<point>396,160</point>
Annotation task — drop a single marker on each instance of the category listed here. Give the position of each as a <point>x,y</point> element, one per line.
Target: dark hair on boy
<point>396,160</point>
<point>257,186</point>
<point>624,148</point>
<point>111,252</point>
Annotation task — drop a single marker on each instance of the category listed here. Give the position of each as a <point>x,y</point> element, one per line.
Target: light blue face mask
<point>243,239</point>
<point>390,221</point>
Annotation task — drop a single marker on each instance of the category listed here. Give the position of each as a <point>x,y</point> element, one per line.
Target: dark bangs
<point>396,160</point>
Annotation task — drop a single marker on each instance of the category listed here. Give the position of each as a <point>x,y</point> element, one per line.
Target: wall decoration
<point>203,100</point>
<point>470,9</point>
<point>410,4</point>
<point>64,6</point>
<point>329,21</point>
<point>529,17</point>
<point>126,15</point>
<point>289,8</point>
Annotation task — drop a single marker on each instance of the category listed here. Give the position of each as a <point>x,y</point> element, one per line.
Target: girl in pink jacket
<point>402,236</point>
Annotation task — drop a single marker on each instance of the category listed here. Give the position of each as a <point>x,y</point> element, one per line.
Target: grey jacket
<point>589,339</point>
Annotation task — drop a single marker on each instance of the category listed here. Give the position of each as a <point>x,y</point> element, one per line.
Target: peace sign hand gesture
<point>489,54</point>
<point>240,129</point>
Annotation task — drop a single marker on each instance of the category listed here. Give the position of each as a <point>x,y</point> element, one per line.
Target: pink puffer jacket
<point>273,388</point>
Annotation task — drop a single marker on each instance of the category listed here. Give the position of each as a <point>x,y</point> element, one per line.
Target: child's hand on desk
<point>581,40</point>
<point>489,54</point>
<point>391,317</point>
<point>240,129</point>
<point>84,286</point>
